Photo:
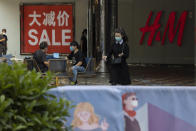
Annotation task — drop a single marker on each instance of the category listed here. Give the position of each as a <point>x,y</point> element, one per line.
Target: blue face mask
<point>71,48</point>
<point>118,39</point>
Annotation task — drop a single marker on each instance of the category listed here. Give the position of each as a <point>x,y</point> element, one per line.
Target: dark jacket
<point>77,57</point>
<point>119,72</point>
<point>131,125</point>
<point>116,49</point>
<point>1,45</point>
<point>40,58</point>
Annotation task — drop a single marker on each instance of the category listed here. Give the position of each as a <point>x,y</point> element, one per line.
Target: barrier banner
<point>51,23</point>
<point>131,108</point>
<point>96,109</point>
<point>159,108</point>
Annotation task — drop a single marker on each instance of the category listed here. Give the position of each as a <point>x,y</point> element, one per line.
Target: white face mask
<point>134,103</point>
<point>4,33</point>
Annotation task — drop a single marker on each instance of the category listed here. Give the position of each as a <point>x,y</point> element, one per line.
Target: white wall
<point>10,19</point>
<point>9,12</point>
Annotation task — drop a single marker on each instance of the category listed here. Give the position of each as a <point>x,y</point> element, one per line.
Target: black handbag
<point>117,60</point>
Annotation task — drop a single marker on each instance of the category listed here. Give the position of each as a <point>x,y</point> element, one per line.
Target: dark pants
<point>1,50</point>
<point>120,74</point>
<point>4,49</point>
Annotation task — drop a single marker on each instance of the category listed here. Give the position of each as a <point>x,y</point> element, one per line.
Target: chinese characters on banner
<point>51,23</point>
<point>170,30</point>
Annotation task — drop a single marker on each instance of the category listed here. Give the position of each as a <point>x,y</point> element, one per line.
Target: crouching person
<point>40,57</point>
<point>78,61</point>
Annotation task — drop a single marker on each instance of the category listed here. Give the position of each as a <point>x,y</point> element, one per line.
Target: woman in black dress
<point>83,42</point>
<point>118,54</point>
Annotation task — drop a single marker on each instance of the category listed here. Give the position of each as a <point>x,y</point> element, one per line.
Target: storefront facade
<point>171,42</point>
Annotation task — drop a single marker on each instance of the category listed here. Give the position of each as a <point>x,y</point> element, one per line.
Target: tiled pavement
<point>153,75</point>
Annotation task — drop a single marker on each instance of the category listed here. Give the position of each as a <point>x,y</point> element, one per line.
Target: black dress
<point>84,45</point>
<point>119,72</point>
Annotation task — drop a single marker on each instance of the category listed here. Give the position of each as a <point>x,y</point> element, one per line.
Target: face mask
<point>71,48</point>
<point>4,33</point>
<point>134,103</point>
<point>118,39</point>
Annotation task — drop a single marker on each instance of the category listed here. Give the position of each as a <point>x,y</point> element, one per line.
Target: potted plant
<point>25,104</point>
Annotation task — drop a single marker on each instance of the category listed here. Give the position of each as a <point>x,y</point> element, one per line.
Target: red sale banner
<point>51,23</point>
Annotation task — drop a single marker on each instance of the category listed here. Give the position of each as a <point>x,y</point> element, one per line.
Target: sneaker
<point>73,83</point>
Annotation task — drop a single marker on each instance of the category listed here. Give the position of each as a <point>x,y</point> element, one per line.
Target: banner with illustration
<point>100,108</point>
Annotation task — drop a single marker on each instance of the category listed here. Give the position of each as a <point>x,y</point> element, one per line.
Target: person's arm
<point>125,52</point>
<point>79,63</point>
<point>109,55</point>
<point>6,41</point>
<point>2,40</point>
<point>6,38</point>
<point>45,60</point>
<point>46,63</point>
<point>70,56</point>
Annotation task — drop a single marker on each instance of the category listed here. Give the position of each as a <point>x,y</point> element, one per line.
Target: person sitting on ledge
<point>40,57</point>
<point>78,61</point>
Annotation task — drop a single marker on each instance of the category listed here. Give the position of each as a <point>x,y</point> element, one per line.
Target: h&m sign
<point>170,29</point>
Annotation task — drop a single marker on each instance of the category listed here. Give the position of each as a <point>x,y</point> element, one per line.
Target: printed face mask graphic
<point>131,102</point>
<point>134,103</point>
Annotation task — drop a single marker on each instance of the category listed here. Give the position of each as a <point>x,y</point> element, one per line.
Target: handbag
<point>117,60</point>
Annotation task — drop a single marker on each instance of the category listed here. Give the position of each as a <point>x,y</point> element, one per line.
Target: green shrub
<point>25,104</point>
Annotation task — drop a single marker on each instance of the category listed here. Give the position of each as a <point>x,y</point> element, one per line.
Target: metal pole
<point>108,23</point>
<point>102,33</point>
<point>90,28</point>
